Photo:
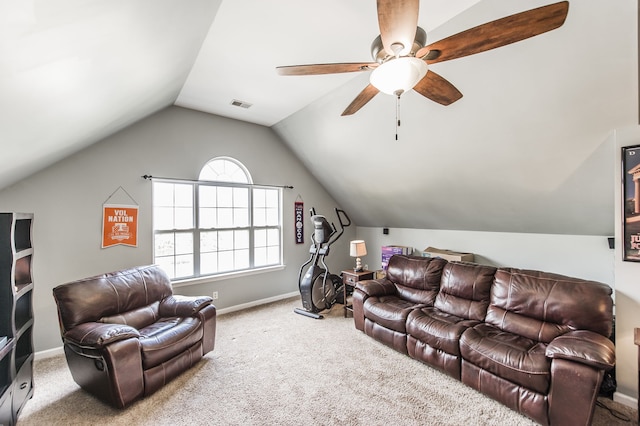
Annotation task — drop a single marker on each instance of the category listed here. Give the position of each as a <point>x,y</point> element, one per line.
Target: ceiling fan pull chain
<point>397,115</point>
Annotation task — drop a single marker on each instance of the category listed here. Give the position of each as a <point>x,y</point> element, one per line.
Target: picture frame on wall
<point>631,203</point>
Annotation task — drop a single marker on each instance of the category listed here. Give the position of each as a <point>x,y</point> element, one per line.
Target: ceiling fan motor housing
<point>380,55</point>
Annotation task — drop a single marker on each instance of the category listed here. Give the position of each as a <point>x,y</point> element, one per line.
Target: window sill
<point>225,276</point>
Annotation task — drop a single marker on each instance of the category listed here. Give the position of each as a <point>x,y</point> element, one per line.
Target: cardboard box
<point>453,256</point>
<point>388,251</point>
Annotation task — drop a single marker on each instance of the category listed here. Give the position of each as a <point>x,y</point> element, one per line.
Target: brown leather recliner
<point>126,334</point>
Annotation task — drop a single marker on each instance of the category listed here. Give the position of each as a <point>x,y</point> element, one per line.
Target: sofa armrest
<point>379,287</point>
<point>182,306</point>
<point>97,335</point>
<point>584,346</point>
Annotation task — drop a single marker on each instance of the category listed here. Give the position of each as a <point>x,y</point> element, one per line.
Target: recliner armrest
<point>584,346</point>
<point>182,306</point>
<point>97,335</point>
<point>379,287</point>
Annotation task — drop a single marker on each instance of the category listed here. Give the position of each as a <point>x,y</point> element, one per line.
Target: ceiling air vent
<point>241,104</point>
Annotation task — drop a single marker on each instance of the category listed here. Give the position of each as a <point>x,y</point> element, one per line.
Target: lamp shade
<point>357,248</point>
<point>398,75</point>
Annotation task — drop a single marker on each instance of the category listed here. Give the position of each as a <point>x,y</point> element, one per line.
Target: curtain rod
<point>149,177</point>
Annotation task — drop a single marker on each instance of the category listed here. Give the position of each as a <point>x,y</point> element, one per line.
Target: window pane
<point>184,266</point>
<point>271,198</point>
<point>241,197</point>
<point>259,218</point>
<point>273,255</point>
<point>184,195</point>
<point>225,196</point>
<point>241,239</point>
<point>163,218</point>
<point>225,240</point>
<point>225,261</point>
<point>207,218</point>
<point>272,217</point>
<point>273,237</point>
<point>183,218</point>
<point>259,199</point>
<point>208,242</point>
<point>164,245</point>
<point>225,170</point>
<point>174,253</point>
<point>260,257</point>
<point>207,196</point>
<point>241,217</point>
<point>260,237</point>
<point>241,258</point>
<point>225,218</point>
<point>162,194</point>
<point>208,263</point>
<point>173,206</point>
<point>184,243</point>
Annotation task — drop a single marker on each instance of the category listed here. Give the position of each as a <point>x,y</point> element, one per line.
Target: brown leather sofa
<point>126,334</point>
<point>534,341</point>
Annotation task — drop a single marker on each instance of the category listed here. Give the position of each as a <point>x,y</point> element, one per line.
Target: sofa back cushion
<point>465,289</point>
<point>112,295</point>
<point>417,279</point>
<point>137,318</point>
<point>542,306</point>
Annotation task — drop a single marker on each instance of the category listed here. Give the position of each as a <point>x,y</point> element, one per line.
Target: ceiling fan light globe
<point>398,75</point>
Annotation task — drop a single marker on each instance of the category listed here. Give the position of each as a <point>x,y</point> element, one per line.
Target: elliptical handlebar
<point>343,224</point>
<point>340,213</point>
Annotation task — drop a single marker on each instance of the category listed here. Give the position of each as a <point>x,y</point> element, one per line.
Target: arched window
<point>220,224</point>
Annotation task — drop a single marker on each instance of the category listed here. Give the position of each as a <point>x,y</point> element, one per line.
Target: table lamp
<point>357,249</point>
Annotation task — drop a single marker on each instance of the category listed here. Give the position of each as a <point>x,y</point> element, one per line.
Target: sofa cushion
<point>136,318</point>
<point>167,338</point>
<point>515,358</point>
<point>417,279</point>
<point>438,329</point>
<point>465,289</point>
<point>541,306</point>
<point>389,311</point>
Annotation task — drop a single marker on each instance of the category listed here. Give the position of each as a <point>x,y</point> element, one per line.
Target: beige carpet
<point>273,367</point>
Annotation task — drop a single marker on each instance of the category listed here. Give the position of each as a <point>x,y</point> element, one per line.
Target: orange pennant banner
<point>119,225</point>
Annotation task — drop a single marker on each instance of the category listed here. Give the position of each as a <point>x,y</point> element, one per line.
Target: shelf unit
<point>16,314</point>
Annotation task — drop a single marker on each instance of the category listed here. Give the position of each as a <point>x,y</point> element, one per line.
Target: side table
<point>350,278</point>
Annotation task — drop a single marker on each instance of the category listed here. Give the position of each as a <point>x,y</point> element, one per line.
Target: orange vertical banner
<point>119,225</point>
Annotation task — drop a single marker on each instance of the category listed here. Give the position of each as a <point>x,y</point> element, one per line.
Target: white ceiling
<point>521,151</point>
<point>73,72</point>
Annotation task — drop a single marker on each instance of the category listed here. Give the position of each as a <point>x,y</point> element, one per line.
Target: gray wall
<point>67,201</point>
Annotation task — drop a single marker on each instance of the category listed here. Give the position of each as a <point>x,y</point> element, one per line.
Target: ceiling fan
<point>402,58</point>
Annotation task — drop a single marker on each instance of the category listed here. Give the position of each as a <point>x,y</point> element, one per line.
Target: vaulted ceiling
<point>523,151</point>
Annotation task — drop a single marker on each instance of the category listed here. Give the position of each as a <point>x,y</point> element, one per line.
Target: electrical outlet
<point>215,295</point>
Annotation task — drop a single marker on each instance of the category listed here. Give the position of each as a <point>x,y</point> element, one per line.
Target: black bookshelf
<point>16,314</point>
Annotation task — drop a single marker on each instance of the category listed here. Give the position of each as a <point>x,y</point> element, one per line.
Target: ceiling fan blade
<point>317,69</point>
<point>398,20</point>
<point>497,33</point>
<point>363,97</point>
<point>438,89</point>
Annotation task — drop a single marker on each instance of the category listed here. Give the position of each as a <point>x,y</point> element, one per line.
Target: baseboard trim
<point>625,400</point>
<point>50,353</point>
<point>259,302</point>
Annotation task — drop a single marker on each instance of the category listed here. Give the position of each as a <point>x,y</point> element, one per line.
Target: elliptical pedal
<point>307,313</point>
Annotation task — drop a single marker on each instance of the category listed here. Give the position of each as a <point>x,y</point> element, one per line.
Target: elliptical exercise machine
<point>319,288</point>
